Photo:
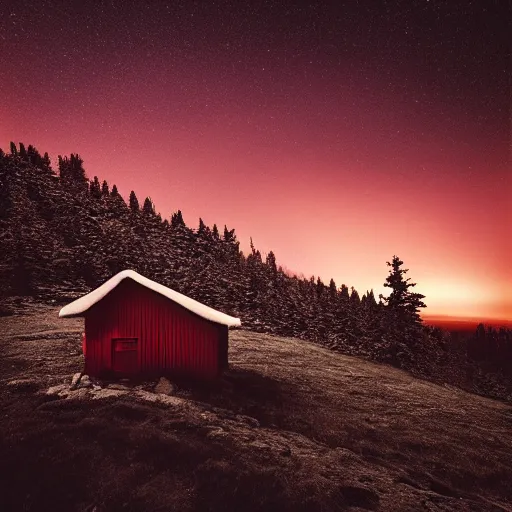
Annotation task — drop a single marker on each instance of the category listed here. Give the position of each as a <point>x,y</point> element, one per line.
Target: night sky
<point>335,135</point>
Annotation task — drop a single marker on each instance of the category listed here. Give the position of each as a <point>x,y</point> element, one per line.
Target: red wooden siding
<point>169,338</point>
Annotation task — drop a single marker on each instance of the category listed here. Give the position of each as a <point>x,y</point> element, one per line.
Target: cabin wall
<point>170,339</point>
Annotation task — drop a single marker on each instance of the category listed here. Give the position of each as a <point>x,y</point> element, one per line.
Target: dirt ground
<point>290,427</point>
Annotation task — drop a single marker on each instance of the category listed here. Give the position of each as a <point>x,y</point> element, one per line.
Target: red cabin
<point>135,327</point>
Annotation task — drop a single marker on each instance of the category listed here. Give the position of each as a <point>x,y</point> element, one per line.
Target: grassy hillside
<point>291,426</point>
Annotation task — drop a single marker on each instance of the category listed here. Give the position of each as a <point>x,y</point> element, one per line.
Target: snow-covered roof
<point>84,303</point>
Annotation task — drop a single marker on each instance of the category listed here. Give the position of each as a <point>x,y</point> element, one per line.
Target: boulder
<point>75,380</point>
<point>59,390</point>
<point>164,387</point>
<point>85,382</point>
<point>107,393</point>
<point>78,393</point>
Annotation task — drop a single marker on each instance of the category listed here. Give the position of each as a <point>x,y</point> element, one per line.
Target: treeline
<point>492,347</point>
<point>62,234</point>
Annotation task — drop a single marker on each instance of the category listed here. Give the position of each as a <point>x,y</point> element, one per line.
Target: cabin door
<point>125,356</point>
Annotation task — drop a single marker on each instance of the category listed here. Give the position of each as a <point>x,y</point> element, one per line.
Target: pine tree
<point>72,173</point>
<point>354,297</point>
<point>104,189</point>
<point>370,299</point>
<point>41,162</point>
<point>271,263</point>
<point>134,203</point>
<point>14,149</point>
<point>116,203</point>
<point>202,227</point>
<point>23,151</point>
<point>34,157</point>
<point>177,220</point>
<point>320,287</point>
<point>215,232</point>
<point>332,289</point>
<point>255,255</point>
<point>229,234</point>
<point>46,161</point>
<point>94,188</point>
<point>149,207</point>
<point>403,303</point>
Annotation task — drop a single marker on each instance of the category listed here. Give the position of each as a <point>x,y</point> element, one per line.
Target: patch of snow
<point>82,304</point>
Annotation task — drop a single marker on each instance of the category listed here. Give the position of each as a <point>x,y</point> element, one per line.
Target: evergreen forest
<point>62,234</point>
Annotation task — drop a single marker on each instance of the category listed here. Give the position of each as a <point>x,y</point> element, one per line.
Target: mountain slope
<point>291,426</point>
